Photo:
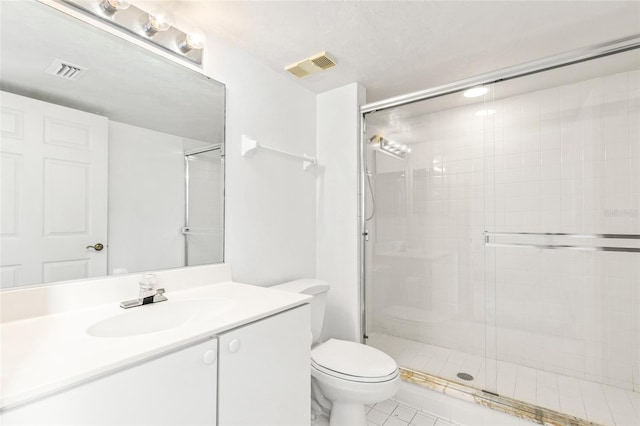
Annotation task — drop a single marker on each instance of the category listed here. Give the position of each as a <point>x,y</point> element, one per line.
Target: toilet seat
<point>357,379</point>
<point>353,362</point>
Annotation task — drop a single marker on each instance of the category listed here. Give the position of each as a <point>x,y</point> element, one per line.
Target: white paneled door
<point>54,192</point>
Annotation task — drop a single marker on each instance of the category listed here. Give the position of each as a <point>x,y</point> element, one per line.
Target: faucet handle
<point>148,282</point>
<point>159,296</point>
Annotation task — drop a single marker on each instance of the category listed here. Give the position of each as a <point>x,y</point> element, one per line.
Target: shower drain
<point>465,376</point>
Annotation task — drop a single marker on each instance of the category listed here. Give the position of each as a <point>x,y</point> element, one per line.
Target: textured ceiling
<point>396,47</point>
<point>391,48</point>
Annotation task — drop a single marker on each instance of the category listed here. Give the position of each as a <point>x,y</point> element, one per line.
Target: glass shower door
<point>428,186</point>
<point>504,239</point>
<point>567,237</point>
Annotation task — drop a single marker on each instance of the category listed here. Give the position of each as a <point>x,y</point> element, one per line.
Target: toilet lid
<point>353,359</point>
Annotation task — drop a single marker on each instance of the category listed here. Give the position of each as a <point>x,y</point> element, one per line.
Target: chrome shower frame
<point>600,50</point>
<point>187,154</point>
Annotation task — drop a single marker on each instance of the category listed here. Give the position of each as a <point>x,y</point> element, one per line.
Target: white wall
<point>338,122</point>
<point>146,199</point>
<point>271,203</point>
<point>270,200</point>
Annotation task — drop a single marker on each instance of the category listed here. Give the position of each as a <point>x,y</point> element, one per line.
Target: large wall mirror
<point>119,170</point>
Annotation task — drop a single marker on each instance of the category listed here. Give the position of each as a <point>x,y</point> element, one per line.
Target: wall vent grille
<point>323,61</point>
<point>66,70</point>
<point>297,70</point>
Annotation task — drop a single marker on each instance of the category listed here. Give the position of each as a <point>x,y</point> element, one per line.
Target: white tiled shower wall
<point>565,159</point>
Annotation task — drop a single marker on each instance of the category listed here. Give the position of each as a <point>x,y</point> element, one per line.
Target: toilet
<point>348,374</point>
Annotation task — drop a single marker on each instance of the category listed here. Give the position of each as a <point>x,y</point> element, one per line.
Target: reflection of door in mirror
<point>204,172</point>
<point>54,192</point>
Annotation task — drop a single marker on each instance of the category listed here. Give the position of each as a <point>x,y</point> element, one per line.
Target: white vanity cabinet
<point>256,374</point>
<point>178,388</point>
<point>264,372</point>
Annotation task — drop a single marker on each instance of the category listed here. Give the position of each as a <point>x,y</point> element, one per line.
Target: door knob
<point>97,247</point>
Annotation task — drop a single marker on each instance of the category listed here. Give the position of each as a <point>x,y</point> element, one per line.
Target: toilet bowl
<point>348,374</point>
<point>351,375</point>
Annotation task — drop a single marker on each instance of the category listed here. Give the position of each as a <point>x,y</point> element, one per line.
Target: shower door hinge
<point>365,234</point>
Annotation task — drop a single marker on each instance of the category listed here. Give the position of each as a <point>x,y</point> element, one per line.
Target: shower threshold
<point>491,400</point>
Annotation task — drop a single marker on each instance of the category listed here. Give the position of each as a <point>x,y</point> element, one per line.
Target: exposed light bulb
<point>146,25</point>
<point>112,6</point>
<point>193,40</point>
<point>155,24</point>
<point>474,92</point>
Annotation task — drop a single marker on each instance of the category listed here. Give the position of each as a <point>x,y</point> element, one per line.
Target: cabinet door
<point>175,389</point>
<point>264,372</point>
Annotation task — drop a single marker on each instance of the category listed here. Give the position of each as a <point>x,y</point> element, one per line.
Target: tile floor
<point>392,413</point>
<point>435,409</point>
<point>591,401</point>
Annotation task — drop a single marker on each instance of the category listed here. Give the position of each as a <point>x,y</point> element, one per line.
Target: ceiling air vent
<point>65,70</point>
<point>319,62</point>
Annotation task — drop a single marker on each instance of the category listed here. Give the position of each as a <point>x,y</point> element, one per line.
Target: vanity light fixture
<point>191,41</point>
<point>110,7</point>
<point>395,149</point>
<point>155,24</point>
<point>151,27</point>
<point>474,92</point>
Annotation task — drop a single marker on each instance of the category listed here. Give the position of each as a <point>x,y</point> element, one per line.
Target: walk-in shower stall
<point>501,232</point>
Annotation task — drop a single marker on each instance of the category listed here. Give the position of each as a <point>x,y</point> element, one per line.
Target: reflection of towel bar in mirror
<point>249,145</point>
<point>203,149</point>
<point>553,246</point>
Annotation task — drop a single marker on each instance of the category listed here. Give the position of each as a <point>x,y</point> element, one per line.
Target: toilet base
<point>347,414</point>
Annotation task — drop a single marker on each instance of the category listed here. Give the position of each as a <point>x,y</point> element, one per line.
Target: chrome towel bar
<point>550,246</point>
<point>561,234</point>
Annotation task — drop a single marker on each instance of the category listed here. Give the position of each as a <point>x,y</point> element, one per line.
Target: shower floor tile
<point>600,403</point>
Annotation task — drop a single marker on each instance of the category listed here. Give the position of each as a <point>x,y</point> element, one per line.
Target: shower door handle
<point>365,234</point>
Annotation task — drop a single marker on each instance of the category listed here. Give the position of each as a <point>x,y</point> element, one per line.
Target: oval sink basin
<point>158,317</point>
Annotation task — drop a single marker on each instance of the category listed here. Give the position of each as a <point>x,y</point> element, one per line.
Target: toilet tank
<point>316,288</point>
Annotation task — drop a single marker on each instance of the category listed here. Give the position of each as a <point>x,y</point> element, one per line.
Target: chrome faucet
<point>148,293</point>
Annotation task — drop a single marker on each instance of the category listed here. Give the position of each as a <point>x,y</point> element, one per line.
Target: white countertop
<point>45,354</point>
